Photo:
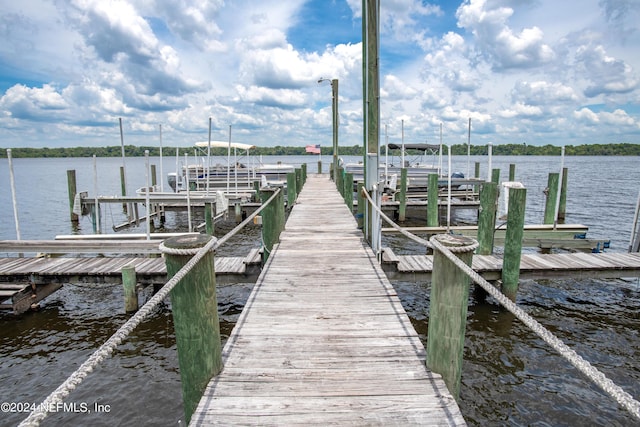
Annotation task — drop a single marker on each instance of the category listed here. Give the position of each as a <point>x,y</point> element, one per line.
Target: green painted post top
<point>191,241</point>
<point>495,176</point>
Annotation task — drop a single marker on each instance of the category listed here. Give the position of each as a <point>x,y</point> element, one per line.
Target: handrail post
<point>292,190</point>
<point>272,220</point>
<point>348,190</point>
<point>195,316</point>
<point>448,311</point>
<point>432,201</point>
<point>487,217</point>
<point>513,242</point>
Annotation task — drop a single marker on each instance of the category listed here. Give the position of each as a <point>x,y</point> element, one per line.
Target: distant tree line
<point>624,149</point>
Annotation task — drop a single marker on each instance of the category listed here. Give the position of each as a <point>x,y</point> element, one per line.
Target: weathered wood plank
<point>323,338</point>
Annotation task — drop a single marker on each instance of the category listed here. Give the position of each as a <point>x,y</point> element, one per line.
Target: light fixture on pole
<point>334,111</point>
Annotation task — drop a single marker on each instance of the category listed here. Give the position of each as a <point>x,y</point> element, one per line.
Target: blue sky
<point>539,71</point>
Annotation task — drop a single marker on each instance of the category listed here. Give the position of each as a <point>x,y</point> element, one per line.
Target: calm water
<point>510,376</point>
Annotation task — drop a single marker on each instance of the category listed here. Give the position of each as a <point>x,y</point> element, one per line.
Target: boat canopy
<point>225,144</point>
<point>419,146</point>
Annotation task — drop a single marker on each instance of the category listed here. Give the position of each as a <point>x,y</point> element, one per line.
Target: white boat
<point>234,176</point>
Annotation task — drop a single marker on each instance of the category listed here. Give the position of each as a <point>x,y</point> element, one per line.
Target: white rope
<point>106,349</point>
<point>622,397</point>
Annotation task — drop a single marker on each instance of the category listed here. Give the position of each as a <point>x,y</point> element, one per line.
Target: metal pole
<point>13,193</point>
<point>208,157</point>
<point>161,170</point>
<point>95,189</point>
<point>336,117</point>
<point>146,193</point>
<point>124,169</point>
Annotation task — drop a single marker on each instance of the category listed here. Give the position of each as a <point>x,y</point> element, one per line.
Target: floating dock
<point>323,338</point>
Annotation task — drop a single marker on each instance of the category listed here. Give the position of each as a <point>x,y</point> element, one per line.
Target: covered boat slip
<point>323,338</point>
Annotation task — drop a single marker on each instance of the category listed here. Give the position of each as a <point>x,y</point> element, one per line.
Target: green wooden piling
<point>331,171</point>
<point>552,194</point>
<point>432,201</point>
<point>476,172</point>
<point>340,183</point>
<point>272,220</point>
<point>298,180</point>
<point>361,206</point>
<point>512,172</point>
<point>72,191</point>
<point>348,190</point>
<point>304,172</point>
<point>402,211</point>
<point>195,317</point>
<point>319,167</point>
<point>154,177</point>
<point>292,191</point>
<point>487,217</point>
<point>123,187</point>
<point>562,209</point>
<point>209,215</point>
<point>129,282</point>
<point>448,312</point>
<point>513,242</point>
<point>495,176</point>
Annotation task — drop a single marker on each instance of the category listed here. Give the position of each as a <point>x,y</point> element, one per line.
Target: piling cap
<point>455,240</point>
<point>188,241</point>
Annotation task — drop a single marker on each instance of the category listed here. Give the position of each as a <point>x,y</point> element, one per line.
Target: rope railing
<point>54,399</point>
<point>622,397</point>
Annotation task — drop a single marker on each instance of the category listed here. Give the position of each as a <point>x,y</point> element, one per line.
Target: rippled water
<point>510,376</point>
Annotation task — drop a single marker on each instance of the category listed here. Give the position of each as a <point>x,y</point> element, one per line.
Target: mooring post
<point>272,220</point>
<point>209,215</point>
<point>361,206</point>
<point>432,201</point>
<point>319,167</point>
<point>552,194</point>
<point>123,187</point>
<point>331,171</point>
<point>298,180</point>
<point>562,209</point>
<point>292,191</point>
<point>72,190</point>
<point>476,175</point>
<point>495,176</point>
<point>448,311</point>
<point>348,190</point>
<point>129,282</point>
<point>340,183</point>
<point>487,217</point>
<point>195,318</point>
<point>304,172</point>
<point>512,172</point>
<point>237,208</point>
<point>402,210</point>
<point>513,242</point>
<point>154,176</point>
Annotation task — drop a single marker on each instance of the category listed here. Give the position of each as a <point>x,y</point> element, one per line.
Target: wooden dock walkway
<point>532,266</point>
<point>323,338</point>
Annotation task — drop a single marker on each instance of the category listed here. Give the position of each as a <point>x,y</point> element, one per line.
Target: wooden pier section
<point>323,338</point>
<point>532,266</point>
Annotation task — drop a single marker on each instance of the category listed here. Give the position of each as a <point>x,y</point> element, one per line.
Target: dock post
<point>129,282</point>
<point>432,201</point>
<point>72,190</point>
<point>209,214</point>
<point>361,206</point>
<point>319,167</point>
<point>195,319</point>
<point>448,312</point>
<point>402,211</point>
<point>154,176</point>
<point>512,172</point>
<point>348,190</point>
<point>123,187</point>
<point>298,180</point>
<point>304,172</point>
<point>552,194</point>
<point>292,191</point>
<point>476,175</point>
<point>562,209</point>
<point>237,207</point>
<point>495,176</point>
<point>331,171</point>
<point>513,242</point>
<point>487,217</point>
<point>340,183</point>
<point>272,220</point>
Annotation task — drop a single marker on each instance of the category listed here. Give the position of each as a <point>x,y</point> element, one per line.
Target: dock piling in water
<point>448,312</point>
<point>513,242</point>
<point>487,217</point>
<point>552,194</point>
<point>432,201</point>
<point>129,282</point>
<point>72,190</point>
<point>195,316</point>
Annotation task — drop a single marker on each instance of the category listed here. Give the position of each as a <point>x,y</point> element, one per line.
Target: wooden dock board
<point>532,266</point>
<point>323,338</point>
